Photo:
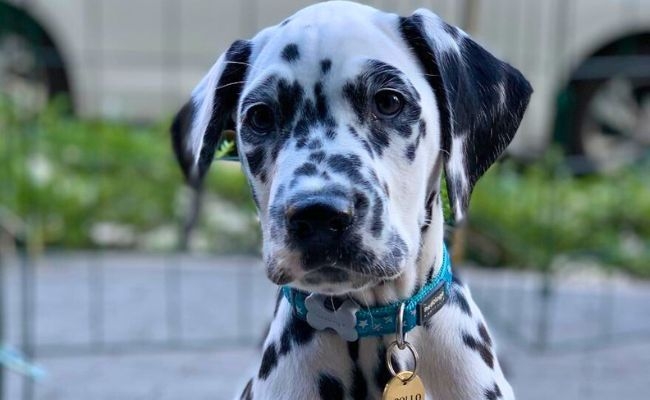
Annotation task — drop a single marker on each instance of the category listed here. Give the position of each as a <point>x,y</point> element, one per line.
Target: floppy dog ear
<point>197,127</point>
<point>481,100</point>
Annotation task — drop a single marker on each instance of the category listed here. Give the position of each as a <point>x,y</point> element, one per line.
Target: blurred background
<point>119,282</point>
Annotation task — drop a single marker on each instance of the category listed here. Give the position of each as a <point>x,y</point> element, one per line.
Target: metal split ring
<point>400,336</point>
<point>389,362</point>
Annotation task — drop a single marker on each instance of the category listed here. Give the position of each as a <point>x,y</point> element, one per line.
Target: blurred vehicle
<point>588,60</point>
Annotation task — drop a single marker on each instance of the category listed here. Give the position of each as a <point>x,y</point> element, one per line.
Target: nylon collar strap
<point>352,322</point>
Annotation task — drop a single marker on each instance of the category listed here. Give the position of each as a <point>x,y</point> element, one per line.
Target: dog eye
<point>261,118</point>
<point>388,103</point>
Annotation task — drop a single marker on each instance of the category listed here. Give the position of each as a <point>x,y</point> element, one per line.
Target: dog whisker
<point>237,63</point>
<point>230,84</point>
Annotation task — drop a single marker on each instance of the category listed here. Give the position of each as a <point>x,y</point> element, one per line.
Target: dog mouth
<point>335,281</point>
<point>331,278</point>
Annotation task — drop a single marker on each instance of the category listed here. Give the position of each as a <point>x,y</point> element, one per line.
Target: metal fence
<point>75,305</point>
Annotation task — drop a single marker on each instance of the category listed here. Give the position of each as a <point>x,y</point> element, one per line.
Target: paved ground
<point>598,333</point>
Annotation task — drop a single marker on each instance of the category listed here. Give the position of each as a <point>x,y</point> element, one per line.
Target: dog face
<point>345,117</point>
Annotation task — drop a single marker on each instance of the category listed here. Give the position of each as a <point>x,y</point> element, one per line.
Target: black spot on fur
<point>353,131</point>
<point>348,165</point>
<point>286,21</point>
<point>422,128</point>
<point>314,144</point>
<point>285,341</point>
<point>410,152</point>
<point>307,169</point>
<point>269,362</point>
<point>379,138</point>
<point>458,299</point>
<point>308,119</point>
<point>481,348</point>
<point>374,177</point>
<point>361,140</point>
<point>290,52</point>
<point>412,148</point>
<point>330,388</point>
<point>322,108</point>
<point>361,206</point>
<point>317,157</point>
<point>430,273</point>
<point>330,133</point>
<point>494,393</point>
<point>301,331</point>
<point>290,97</point>
<point>482,330</point>
<point>359,388</point>
<point>296,332</point>
<point>255,160</point>
<point>276,212</point>
<point>325,65</point>
<point>247,394</point>
<point>377,217</point>
<point>382,374</point>
<point>397,249</point>
<point>355,93</point>
<point>386,189</point>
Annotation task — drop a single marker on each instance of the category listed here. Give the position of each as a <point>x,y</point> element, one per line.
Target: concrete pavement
<point>598,330</point>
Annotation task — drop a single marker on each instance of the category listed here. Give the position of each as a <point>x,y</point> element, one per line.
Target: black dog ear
<point>481,100</point>
<point>197,127</point>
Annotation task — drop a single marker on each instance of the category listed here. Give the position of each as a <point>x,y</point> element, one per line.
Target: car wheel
<point>32,71</point>
<point>614,128</point>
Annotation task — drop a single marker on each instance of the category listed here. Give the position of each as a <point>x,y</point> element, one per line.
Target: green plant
<point>528,218</point>
<point>68,178</point>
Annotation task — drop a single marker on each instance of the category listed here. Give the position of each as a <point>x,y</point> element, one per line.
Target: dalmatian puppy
<point>346,118</point>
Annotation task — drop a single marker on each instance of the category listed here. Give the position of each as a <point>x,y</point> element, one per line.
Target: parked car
<point>588,60</point>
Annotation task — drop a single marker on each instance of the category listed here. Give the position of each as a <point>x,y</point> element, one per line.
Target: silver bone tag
<point>342,320</point>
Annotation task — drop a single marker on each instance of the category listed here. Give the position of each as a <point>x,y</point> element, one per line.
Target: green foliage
<point>528,218</point>
<point>67,177</point>
<point>226,148</point>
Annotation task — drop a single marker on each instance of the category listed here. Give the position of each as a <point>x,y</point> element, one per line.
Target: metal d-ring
<point>389,362</point>
<point>400,336</point>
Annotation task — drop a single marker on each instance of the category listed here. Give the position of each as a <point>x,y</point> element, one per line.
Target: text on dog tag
<point>401,388</point>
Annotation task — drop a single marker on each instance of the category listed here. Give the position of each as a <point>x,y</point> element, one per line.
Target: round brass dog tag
<point>404,386</point>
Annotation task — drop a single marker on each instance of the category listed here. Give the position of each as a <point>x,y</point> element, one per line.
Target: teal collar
<point>351,321</point>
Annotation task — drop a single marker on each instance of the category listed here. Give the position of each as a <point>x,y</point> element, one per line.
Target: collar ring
<point>399,331</point>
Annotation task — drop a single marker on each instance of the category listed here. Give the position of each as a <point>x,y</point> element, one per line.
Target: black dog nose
<point>319,221</point>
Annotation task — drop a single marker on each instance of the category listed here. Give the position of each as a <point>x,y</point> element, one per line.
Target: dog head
<point>345,118</point>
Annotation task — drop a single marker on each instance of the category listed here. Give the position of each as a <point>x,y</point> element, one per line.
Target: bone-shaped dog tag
<point>342,320</point>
